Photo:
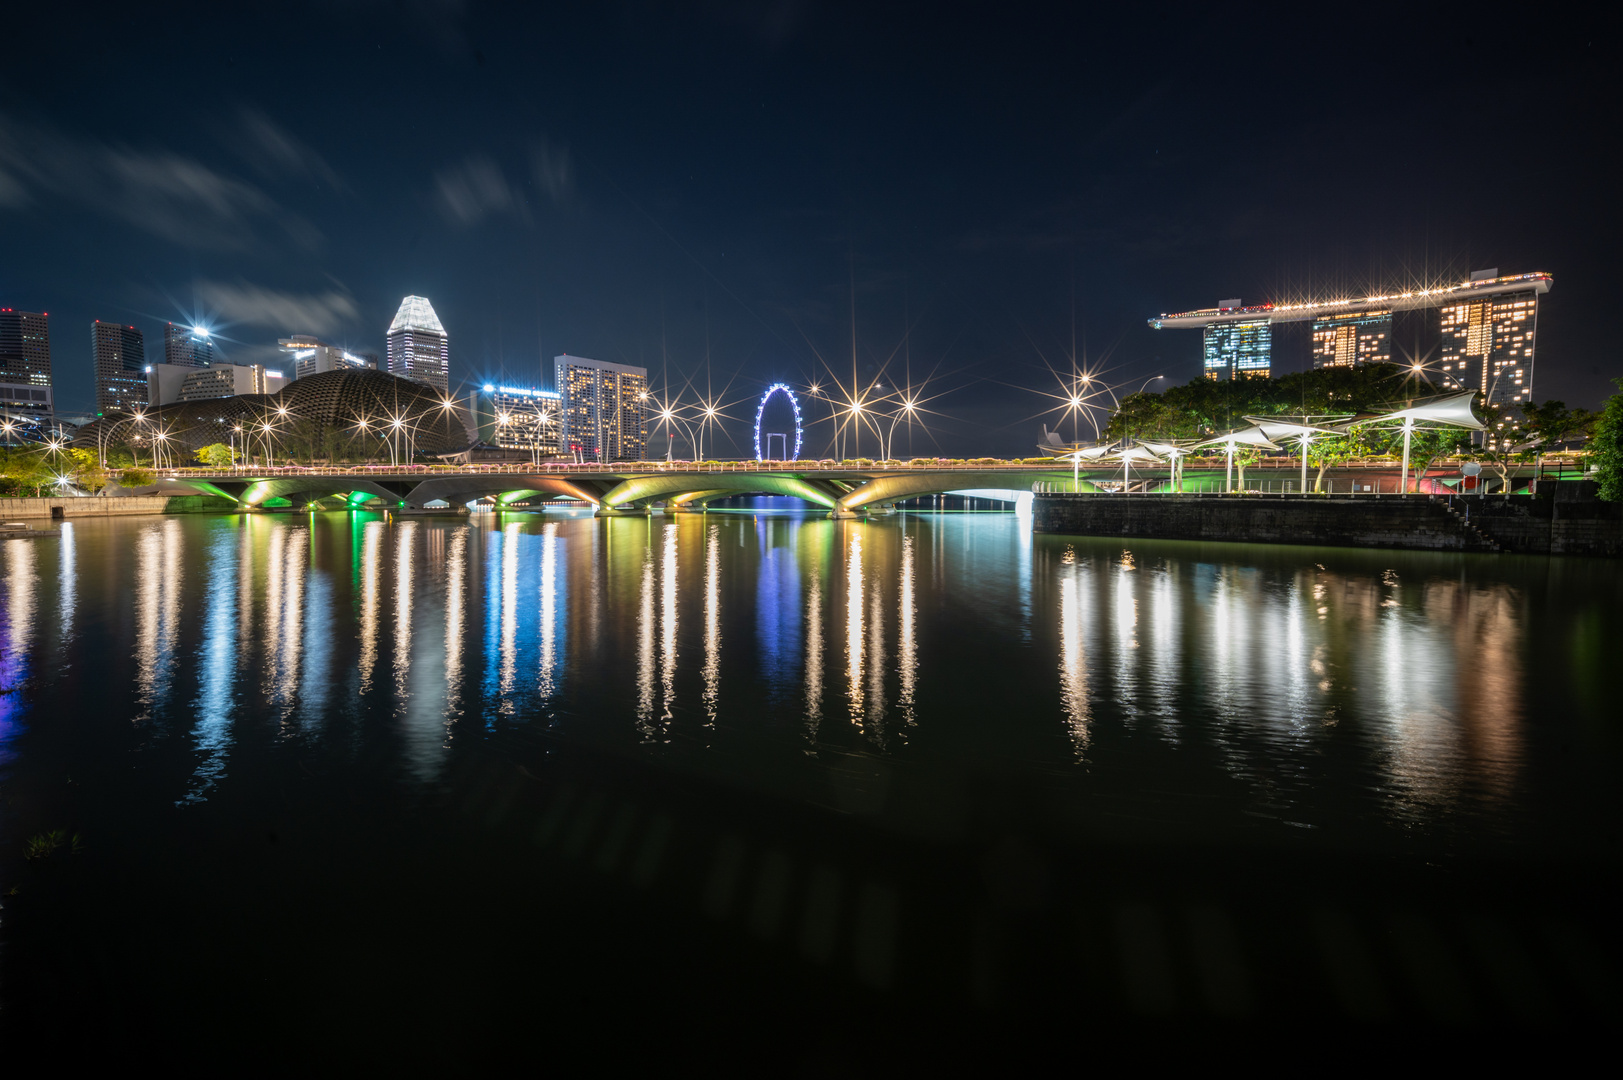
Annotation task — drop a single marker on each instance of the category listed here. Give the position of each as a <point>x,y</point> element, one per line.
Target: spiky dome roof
<point>333,401</point>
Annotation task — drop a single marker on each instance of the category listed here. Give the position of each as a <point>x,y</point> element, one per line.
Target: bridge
<point>844,490</point>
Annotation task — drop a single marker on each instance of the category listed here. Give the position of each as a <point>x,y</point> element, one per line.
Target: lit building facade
<point>169,383</point>
<point>520,418</point>
<point>187,346</point>
<point>1487,345</point>
<point>25,360</point>
<point>120,354</point>
<point>311,356</point>
<point>419,347</point>
<point>1352,338</point>
<point>1488,329</point>
<point>604,409</point>
<point>1233,350</point>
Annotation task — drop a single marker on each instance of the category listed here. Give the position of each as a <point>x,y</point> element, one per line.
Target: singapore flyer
<point>760,410</point>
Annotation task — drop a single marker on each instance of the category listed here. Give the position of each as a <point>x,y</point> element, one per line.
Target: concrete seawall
<point>1566,521</point>
<point>1386,522</point>
<point>111,506</point>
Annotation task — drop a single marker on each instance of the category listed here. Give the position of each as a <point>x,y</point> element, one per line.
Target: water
<point>338,760</point>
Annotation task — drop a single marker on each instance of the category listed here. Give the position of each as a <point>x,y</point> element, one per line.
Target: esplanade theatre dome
<point>317,414</point>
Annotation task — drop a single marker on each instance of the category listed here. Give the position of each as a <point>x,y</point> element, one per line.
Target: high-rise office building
<point>311,356</point>
<point>604,408</point>
<point>187,346</point>
<point>121,381</point>
<point>519,418</point>
<point>1487,343</point>
<point>1232,350</point>
<point>419,348</point>
<point>1351,338</point>
<point>25,360</point>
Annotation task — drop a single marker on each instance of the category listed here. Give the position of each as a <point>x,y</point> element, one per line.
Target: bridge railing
<point>1559,462</point>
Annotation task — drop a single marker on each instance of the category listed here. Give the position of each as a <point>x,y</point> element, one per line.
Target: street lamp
<point>909,407</point>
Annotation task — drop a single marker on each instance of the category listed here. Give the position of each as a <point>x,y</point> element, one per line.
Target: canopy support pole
<point>1408,428</point>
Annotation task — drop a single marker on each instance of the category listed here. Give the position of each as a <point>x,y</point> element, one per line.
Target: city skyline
<point>996,213</point>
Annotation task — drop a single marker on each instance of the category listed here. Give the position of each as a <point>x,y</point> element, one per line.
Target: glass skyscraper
<point>1237,349</point>
<point>25,360</point>
<point>419,347</point>
<point>603,408</point>
<point>121,380</point>
<point>1352,338</point>
<point>187,346</point>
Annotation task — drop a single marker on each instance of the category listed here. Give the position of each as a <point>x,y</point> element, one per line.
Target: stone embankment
<point>1566,520</point>
<point>110,506</point>
<point>1416,522</point>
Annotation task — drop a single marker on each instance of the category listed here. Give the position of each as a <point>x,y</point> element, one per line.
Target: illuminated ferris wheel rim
<point>760,411</point>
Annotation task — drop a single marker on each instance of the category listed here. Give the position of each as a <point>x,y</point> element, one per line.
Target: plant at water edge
<point>44,845</point>
<point>1606,447</point>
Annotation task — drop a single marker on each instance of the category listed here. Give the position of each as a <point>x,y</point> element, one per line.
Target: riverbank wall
<point>1569,527</point>
<point>112,506</point>
<point>1566,519</point>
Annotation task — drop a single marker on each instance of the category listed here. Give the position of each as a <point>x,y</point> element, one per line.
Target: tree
<point>1328,450</point>
<point>85,470</point>
<point>1606,447</point>
<point>217,455</point>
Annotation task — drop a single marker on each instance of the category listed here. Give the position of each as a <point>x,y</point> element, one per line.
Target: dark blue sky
<point>649,182</point>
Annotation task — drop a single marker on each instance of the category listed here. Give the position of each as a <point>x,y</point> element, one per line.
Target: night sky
<point>661,183</point>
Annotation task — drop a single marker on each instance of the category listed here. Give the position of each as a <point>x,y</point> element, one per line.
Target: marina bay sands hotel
<point>1484,329</point>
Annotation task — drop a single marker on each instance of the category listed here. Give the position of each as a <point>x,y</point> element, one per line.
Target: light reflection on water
<point>1318,684</point>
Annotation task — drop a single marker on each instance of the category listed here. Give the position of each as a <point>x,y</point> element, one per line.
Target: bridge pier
<point>840,513</point>
<point>621,511</point>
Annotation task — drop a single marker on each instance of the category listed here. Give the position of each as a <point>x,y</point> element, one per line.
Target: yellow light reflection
<point>456,587</point>
<point>712,622</point>
<point>1073,668</point>
<point>853,624</point>
<point>814,655</point>
<point>546,676</point>
<point>404,571</point>
<point>371,554</point>
<point>908,648</point>
<point>667,641</point>
<point>645,647</point>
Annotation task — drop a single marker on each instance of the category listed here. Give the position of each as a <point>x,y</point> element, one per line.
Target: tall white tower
<point>419,347</point>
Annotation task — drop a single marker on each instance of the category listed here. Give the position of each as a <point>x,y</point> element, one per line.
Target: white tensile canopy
<point>1291,427</point>
<point>1246,436</point>
<point>1449,410</point>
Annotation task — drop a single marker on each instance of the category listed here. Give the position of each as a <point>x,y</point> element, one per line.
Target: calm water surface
<point>334,691</point>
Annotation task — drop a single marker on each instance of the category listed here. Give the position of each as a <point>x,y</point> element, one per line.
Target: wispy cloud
<point>290,313</point>
<point>554,171</point>
<point>170,195</point>
<point>276,154</point>
<point>477,189</point>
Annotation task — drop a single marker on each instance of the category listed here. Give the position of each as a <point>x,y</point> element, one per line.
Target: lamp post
<point>1408,430</point>
<point>889,446</point>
